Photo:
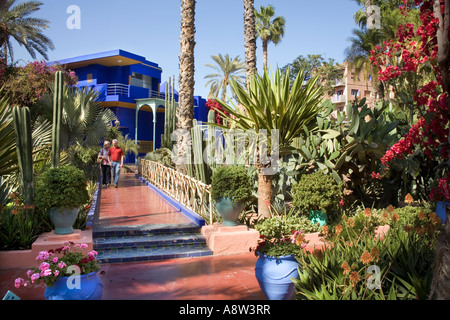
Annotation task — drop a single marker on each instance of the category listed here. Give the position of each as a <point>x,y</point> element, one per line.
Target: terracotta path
<point>229,277</point>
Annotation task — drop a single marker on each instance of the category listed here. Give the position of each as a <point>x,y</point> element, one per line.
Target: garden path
<point>226,277</point>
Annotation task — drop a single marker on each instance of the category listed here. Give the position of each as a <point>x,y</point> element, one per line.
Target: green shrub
<point>61,187</point>
<point>278,232</point>
<point>317,191</point>
<point>162,155</point>
<point>231,182</point>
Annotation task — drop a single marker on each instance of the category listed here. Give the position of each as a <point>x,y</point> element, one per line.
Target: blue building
<point>130,86</point>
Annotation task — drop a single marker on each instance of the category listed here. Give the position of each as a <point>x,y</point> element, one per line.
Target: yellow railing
<point>188,191</point>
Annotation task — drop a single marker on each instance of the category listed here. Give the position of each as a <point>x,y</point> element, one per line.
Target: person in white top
<point>105,164</point>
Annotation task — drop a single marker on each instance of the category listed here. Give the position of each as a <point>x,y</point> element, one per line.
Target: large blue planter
<point>274,276</point>
<point>64,220</point>
<point>440,210</point>
<point>228,211</point>
<point>90,288</point>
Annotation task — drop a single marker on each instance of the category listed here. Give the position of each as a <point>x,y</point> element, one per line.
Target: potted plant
<point>67,272</point>
<point>231,188</point>
<point>317,194</point>
<point>441,195</point>
<point>278,247</point>
<point>62,191</point>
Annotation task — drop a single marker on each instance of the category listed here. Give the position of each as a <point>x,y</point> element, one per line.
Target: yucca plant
<point>273,102</point>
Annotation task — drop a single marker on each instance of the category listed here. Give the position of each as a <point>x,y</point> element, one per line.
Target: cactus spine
<point>58,96</point>
<point>22,126</point>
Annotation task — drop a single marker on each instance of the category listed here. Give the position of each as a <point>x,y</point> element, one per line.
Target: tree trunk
<point>264,42</point>
<point>265,193</point>
<point>250,39</point>
<point>185,111</point>
<point>440,287</point>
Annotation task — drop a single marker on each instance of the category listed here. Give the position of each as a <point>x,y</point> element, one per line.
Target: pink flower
<point>46,273</point>
<point>34,277</point>
<point>92,254</point>
<point>56,273</point>
<point>55,260</point>
<point>44,266</point>
<point>43,255</point>
<point>19,282</point>
<point>29,273</point>
<point>62,265</point>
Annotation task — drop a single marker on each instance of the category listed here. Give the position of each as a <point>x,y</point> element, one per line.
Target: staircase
<point>120,244</point>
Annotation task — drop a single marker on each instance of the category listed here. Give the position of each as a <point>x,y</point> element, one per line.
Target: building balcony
<point>124,92</point>
<point>339,99</point>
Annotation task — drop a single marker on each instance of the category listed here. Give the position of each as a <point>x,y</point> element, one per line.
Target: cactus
<point>170,118</point>
<point>58,96</point>
<point>22,126</point>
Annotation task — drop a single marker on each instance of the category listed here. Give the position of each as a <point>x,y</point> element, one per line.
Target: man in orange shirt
<point>115,156</point>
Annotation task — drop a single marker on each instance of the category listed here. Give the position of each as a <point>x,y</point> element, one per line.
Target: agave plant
<point>273,102</point>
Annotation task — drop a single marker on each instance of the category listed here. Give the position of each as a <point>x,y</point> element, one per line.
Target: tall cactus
<point>170,114</point>
<point>22,126</point>
<point>58,96</point>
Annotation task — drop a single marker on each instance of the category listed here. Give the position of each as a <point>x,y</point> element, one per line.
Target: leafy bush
<point>231,182</point>
<point>162,155</point>
<point>61,187</point>
<point>317,191</point>
<point>283,234</point>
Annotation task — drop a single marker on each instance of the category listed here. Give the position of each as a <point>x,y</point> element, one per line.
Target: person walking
<point>115,156</point>
<point>105,164</point>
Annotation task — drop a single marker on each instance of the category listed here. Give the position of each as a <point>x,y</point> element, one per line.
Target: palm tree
<point>185,110</point>
<point>226,69</point>
<point>27,31</point>
<point>267,29</point>
<point>250,39</point>
<point>274,103</point>
<point>84,122</point>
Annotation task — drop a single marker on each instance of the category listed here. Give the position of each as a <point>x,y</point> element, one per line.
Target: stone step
<point>152,253</point>
<point>121,244</point>
<point>147,229</point>
<point>164,239</point>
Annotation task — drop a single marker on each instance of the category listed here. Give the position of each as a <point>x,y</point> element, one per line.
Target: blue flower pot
<point>228,211</point>
<point>275,274</point>
<point>64,220</point>
<point>440,210</point>
<point>90,288</point>
<point>317,216</point>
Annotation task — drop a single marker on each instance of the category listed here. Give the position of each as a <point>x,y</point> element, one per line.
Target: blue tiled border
<point>186,211</point>
<point>95,205</point>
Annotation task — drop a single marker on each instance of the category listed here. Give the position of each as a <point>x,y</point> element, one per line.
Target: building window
<point>355,92</point>
<point>367,94</point>
<point>89,78</point>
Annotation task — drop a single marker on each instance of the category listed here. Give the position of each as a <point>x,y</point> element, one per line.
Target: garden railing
<point>193,194</point>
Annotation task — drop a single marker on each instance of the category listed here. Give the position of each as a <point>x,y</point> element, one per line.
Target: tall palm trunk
<point>440,287</point>
<point>185,111</point>
<point>264,43</point>
<point>250,38</point>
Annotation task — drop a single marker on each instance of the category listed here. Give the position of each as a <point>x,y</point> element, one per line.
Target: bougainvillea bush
<point>27,84</point>
<point>414,48</point>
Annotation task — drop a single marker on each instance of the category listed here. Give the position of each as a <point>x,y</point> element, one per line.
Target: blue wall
<point>102,75</point>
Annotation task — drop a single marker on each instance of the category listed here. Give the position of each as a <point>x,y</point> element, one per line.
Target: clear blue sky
<point>151,29</point>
